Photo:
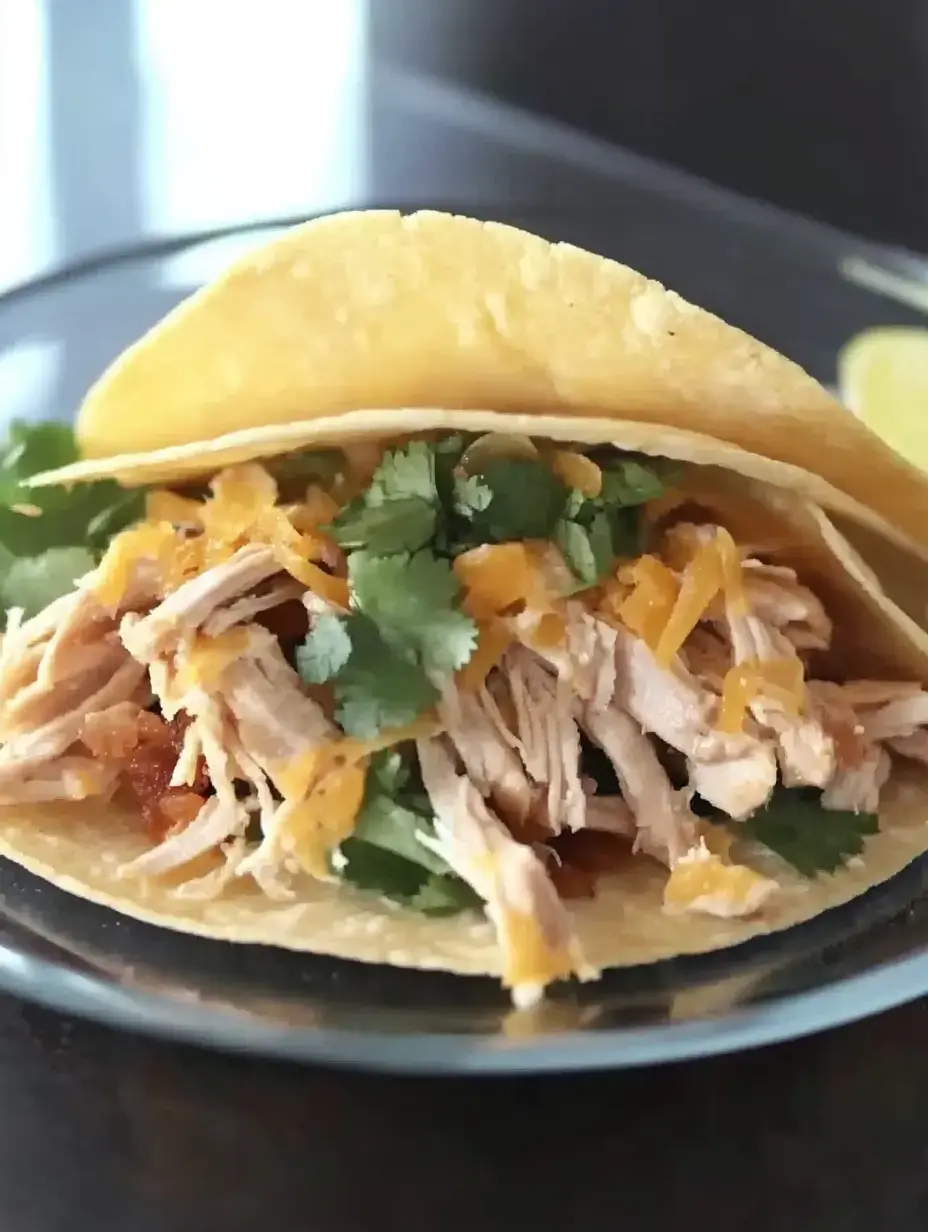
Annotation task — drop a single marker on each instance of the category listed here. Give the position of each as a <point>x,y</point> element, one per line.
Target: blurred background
<point>122,117</point>
<point>669,134</point>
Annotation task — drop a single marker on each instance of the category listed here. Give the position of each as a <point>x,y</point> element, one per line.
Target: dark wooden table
<point>108,1132</point>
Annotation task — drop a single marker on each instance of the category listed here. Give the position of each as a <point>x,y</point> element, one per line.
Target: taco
<point>506,693</point>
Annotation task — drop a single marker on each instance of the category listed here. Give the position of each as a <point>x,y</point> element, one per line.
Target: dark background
<point>818,105</point>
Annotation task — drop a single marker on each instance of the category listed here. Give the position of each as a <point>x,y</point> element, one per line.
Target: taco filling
<point>458,673</point>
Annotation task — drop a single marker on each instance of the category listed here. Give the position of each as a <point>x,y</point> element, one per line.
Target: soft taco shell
<point>80,847</point>
<point>374,309</point>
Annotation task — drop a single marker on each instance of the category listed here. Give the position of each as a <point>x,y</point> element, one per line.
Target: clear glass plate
<point>777,278</point>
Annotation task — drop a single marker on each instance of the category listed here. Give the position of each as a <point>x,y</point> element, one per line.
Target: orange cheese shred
<point>778,681</point>
<point>497,576</point>
<point>156,541</point>
<point>578,471</point>
<point>714,567</point>
<point>493,639</point>
<point>648,608</point>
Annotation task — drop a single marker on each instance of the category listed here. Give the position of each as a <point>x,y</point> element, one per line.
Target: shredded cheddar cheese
<point>326,816</point>
<point>714,567</point>
<point>497,576</point>
<point>779,681</point>
<point>647,609</point>
<point>578,471</point>
<point>702,882</point>
<point>149,540</point>
<point>493,640</point>
<point>529,960</point>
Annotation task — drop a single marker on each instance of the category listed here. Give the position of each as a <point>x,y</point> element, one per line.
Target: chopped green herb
<point>325,651</point>
<point>471,495</point>
<point>413,600</point>
<point>32,582</point>
<point>404,473</point>
<point>376,685</point>
<point>577,550</point>
<point>527,501</point>
<point>57,533</point>
<point>628,482</point>
<point>402,525</point>
<point>386,855</point>
<point>387,824</point>
<point>794,824</point>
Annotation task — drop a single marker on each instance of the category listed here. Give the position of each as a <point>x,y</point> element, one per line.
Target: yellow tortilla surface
<point>374,309</point>
<point>78,848</point>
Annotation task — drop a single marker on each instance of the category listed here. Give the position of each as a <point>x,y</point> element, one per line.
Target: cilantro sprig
<point>795,825</point>
<point>51,536</point>
<point>385,853</point>
<point>406,631</point>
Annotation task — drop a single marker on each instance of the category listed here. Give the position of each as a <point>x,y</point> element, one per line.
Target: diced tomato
<point>148,775</point>
<point>577,860</point>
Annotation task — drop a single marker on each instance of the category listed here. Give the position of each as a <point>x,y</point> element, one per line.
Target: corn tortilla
<point>380,310</point>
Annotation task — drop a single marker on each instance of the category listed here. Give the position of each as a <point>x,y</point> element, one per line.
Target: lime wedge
<point>883,379</point>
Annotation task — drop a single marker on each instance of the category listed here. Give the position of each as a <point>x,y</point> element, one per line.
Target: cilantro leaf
<point>325,651</point>
<point>444,895</point>
<point>31,448</point>
<point>388,824</point>
<point>380,685</point>
<point>413,602</point>
<point>602,544</point>
<point>628,533</point>
<point>385,854</point>
<point>577,550</point>
<point>794,824</point>
<point>32,582</point>
<point>405,473</point>
<point>394,526</point>
<point>375,684</point>
<point>380,872</point>
<point>471,495</point>
<point>628,482</point>
<point>32,520</point>
<point>527,501</point>
<point>389,772</point>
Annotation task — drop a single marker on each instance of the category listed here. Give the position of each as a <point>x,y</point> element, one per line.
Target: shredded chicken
<point>30,747</point>
<point>474,727</point>
<point>612,815</point>
<point>72,777</point>
<point>534,927</point>
<point>547,735</point>
<point>244,610</point>
<point>218,820</point>
<point>666,828</point>
<point>857,787</point>
<point>193,603</point>
<point>276,720</point>
<point>735,773</point>
<point>805,751</point>
<point>778,599</point>
<point>585,660</point>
